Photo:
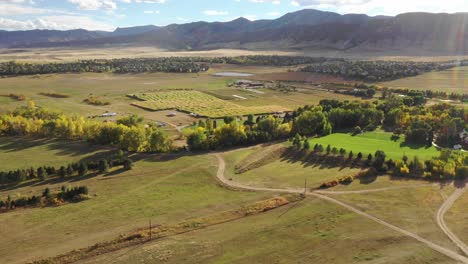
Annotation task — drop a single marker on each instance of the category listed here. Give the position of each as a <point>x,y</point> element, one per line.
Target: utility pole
<point>305,186</point>
<point>150,231</point>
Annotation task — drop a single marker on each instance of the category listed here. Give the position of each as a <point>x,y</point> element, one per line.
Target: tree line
<point>177,65</point>
<point>82,168</point>
<point>40,122</point>
<point>74,194</point>
<point>373,71</point>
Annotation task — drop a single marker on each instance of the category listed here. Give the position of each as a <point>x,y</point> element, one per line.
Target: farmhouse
<point>249,84</point>
<point>109,114</point>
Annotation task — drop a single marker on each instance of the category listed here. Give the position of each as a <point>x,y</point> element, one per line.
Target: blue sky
<point>109,14</point>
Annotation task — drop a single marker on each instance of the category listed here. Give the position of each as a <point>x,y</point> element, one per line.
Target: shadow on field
<point>414,146</point>
<point>14,144</point>
<point>321,161</point>
<point>77,148</point>
<point>63,148</point>
<point>54,180</point>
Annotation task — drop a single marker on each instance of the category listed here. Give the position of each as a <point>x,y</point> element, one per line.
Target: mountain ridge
<point>304,29</point>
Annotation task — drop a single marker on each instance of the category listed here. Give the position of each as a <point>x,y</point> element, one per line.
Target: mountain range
<point>306,29</point>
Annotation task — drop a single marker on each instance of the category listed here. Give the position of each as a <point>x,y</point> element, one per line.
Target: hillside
<point>307,29</point>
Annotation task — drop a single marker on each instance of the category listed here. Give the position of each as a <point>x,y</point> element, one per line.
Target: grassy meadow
<point>370,142</point>
<point>279,172</point>
<point>412,209</point>
<point>166,190</point>
<point>456,215</point>
<point>312,231</point>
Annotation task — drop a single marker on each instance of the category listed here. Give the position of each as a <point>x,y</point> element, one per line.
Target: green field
<point>199,103</point>
<point>370,142</point>
<point>454,80</point>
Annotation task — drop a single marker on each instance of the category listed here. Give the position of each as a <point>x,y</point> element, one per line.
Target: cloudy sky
<point>109,14</point>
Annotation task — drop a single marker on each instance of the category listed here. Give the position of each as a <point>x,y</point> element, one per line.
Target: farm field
<point>311,231</point>
<point>114,88</point>
<point>199,103</point>
<point>454,80</point>
<point>370,142</point>
<point>165,190</point>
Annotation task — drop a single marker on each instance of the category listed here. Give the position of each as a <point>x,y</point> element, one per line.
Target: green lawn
<point>370,142</point>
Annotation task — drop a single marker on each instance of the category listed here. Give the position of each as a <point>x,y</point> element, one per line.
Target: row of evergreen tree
<point>449,165</point>
<point>65,195</point>
<point>72,169</point>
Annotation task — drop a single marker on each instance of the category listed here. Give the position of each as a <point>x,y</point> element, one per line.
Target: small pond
<point>232,74</point>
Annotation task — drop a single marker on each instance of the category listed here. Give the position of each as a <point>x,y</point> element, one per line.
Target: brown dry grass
<point>144,235</point>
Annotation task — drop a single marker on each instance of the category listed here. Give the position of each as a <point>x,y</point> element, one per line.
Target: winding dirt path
<point>441,222</point>
<point>221,176</point>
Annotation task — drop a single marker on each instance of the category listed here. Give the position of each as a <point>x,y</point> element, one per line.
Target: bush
<point>357,130</point>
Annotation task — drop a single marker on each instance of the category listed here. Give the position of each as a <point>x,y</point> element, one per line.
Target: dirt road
<point>221,176</point>
<point>441,222</point>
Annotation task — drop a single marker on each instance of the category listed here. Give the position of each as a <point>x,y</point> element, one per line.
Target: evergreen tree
<point>46,193</point>
<point>306,145</point>
<point>83,169</point>
<point>103,166</point>
<point>41,173</point>
<point>70,170</point>
<point>128,164</point>
<point>63,172</point>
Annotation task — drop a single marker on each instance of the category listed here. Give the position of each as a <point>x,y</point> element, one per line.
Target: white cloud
<point>215,13</point>
<point>19,1</point>
<point>250,17</point>
<point>94,4</point>
<point>145,1</point>
<point>55,22</point>
<point>13,9</point>
<point>151,12</point>
<point>275,2</point>
<point>385,7</point>
<point>274,14</point>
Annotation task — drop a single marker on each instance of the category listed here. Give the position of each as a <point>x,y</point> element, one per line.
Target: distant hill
<point>305,29</point>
